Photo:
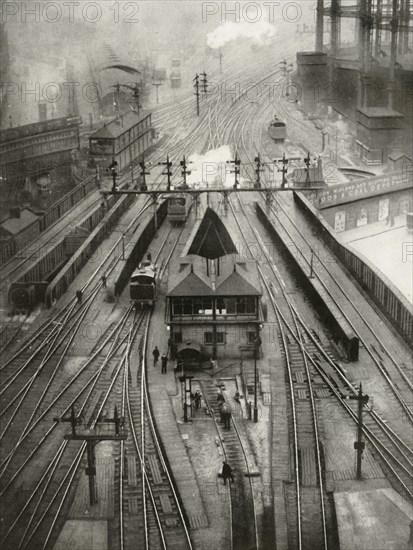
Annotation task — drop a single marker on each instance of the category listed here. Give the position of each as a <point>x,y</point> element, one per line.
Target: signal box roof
<point>210,238</point>
<point>119,125</point>
<point>189,278</point>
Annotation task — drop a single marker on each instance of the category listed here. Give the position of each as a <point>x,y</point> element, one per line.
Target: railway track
<point>401,455</point>
<point>33,442</point>
<point>400,378</point>
<point>243,518</point>
<point>392,453</point>
<point>307,504</point>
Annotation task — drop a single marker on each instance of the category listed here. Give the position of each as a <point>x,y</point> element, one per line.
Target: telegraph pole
<point>116,98</point>
<point>257,344</point>
<point>184,171</point>
<point>236,162</point>
<point>307,162</point>
<point>196,86</point>
<point>157,84</point>
<point>359,444</point>
<point>112,168</point>
<point>136,97</point>
<point>92,439</point>
<point>186,391</point>
<point>258,170</point>
<point>284,169</point>
<point>204,82</point>
<point>168,171</point>
<point>143,174</point>
<point>220,60</point>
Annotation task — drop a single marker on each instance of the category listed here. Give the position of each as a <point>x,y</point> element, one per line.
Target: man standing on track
<point>227,472</point>
<point>155,354</point>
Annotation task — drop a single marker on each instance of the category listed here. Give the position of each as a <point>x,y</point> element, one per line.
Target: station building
<point>213,298</point>
<point>122,139</point>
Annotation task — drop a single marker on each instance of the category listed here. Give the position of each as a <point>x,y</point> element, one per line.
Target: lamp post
<point>359,444</point>
<point>257,344</point>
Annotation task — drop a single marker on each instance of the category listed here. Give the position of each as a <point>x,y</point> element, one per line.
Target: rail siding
<point>141,244</point>
<point>51,216</point>
<point>64,278</point>
<point>379,288</point>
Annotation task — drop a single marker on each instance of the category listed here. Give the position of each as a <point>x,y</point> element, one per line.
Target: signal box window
<point>177,307</point>
<point>245,305</point>
<point>231,306</point>
<point>251,335</point>
<point>187,306</point>
<point>209,338</point>
<point>220,307</point>
<point>198,306</point>
<point>207,302</point>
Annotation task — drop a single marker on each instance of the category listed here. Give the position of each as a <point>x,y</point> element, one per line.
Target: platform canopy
<point>211,239</point>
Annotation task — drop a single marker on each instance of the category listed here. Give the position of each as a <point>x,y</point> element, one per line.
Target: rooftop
<point>120,125</point>
<point>379,112</point>
<point>188,277</point>
<point>13,226</point>
<point>210,238</point>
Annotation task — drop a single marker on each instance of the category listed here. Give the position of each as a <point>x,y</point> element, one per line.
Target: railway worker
<point>79,296</point>
<point>224,410</point>
<point>155,354</point>
<point>197,400</point>
<point>227,472</point>
<point>164,362</point>
<point>220,398</point>
<point>227,418</point>
<point>149,257</point>
<point>104,280</point>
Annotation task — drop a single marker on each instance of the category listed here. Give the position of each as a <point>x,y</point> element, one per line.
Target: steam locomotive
<point>142,285</point>
<point>178,208</point>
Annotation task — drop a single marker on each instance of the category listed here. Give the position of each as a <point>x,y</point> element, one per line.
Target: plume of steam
<point>229,31</point>
<point>212,169</point>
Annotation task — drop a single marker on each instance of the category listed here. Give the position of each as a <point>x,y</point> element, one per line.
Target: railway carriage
<point>277,130</point>
<point>143,284</point>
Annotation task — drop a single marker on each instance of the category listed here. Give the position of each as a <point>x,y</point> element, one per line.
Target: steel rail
<point>294,414</point>
<point>212,415</point>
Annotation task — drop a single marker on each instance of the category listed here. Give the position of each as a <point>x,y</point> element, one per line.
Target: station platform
<point>376,519</point>
<point>390,249</point>
<point>163,388</point>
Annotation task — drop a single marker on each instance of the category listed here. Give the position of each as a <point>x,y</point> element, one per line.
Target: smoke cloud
<point>258,33</point>
<point>211,169</point>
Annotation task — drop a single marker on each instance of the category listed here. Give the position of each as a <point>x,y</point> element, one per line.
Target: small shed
<point>189,353</point>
